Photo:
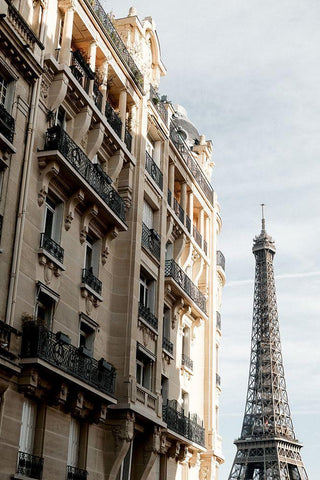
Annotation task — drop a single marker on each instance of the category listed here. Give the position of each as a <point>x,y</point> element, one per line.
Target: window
<point>45,306</point>
<point>61,118</point>
<point>86,337</point>
<point>6,92</point>
<point>125,468</point>
<point>147,291</point>
<point>3,90</point>
<point>53,219</point>
<point>145,362</point>
<point>186,341</point>
<point>185,402</point>
<point>74,443</point>
<point>164,389</point>
<point>166,322</point>
<point>91,258</point>
<point>28,426</point>
<point>147,215</point>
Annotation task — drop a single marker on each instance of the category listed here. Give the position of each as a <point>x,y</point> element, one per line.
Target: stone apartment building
<point>110,285</point>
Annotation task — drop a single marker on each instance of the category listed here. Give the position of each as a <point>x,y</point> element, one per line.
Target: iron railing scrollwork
<point>74,473</point>
<point>39,342</point>
<point>144,312</point>
<point>187,362</point>
<point>154,171</point>
<point>58,139</point>
<point>93,282</point>
<point>197,236</point>
<point>128,139</point>
<point>187,426</point>
<point>116,41</point>
<point>6,332</point>
<point>30,465</point>
<point>221,262</point>
<point>158,104</point>
<point>167,345</point>
<point>113,119</point>
<point>191,163</point>
<point>151,241</point>
<point>178,210</point>
<point>173,270</point>
<point>7,124</point>
<point>97,95</point>
<point>51,247</point>
<point>81,70</point>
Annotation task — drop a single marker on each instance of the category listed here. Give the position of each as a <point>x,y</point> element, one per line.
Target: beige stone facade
<point>110,285</point>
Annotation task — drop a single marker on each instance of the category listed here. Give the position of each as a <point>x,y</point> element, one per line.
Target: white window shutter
<point>28,426</point>
<point>74,443</point>
<point>147,215</point>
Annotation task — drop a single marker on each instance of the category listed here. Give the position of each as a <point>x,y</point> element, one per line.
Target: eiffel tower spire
<point>267,448</point>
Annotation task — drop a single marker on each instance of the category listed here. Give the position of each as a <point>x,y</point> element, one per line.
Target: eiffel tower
<point>267,448</point>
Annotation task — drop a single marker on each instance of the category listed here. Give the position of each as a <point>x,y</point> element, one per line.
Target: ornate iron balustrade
<point>167,345</point>
<point>221,262</point>
<point>81,70</point>
<point>7,124</point>
<point>181,424</point>
<point>8,348</point>
<point>93,282</point>
<point>188,223</point>
<point>178,210</point>
<point>218,380</point>
<point>51,247</point>
<point>159,105</point>
<point>191,163</point>
<point>39,342</point>
<point>58,139</point>
<point>22,27</point>
<point>197,236</point>
<point>113,119</point>
<point>218,321</point>
<point>169,197</point>
<point>187,362</point>
<point>128,139</point>
<point>116,41</point>
<point>173,270</point>
<point>30,465</point>
<point>205,247</point>
<point>151,241</point>
<point>74,473</point>
<point>154,171</point>
<point>97,95</point>
<point>144,312</point>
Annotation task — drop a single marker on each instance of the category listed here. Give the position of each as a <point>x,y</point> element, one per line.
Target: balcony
<point>81,70</point>
<point>97,95</point>
<point>178,210</point>
<point>188,223</point>
<point>187,362</point>
<point>91,281</point>
<point>74,473</point>
<point>146,397</point>
<point>151,241</point>
<point>175,419</point>
<point>147,316</point>
<point>22,27</point>
<point>7,124</point>
<point>158,104</point>
<point>58,139</point>
<point>167,345</point>
<point>113,119</point>
<point>30,465</point>
<point>51,247</point>
<point>9,348</point>
<point>218,324</point>
<point>114,38</point>
<point>221,262</point>
<point>154,171</point>
<point>39,342</point>
<point>205,247</point>
<point>173,270</point>
<point>197,236</point>
<point>190,162</point>
<point>128,139</point>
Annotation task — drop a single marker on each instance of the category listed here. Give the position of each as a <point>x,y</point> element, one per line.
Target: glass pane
<point>49,222</point>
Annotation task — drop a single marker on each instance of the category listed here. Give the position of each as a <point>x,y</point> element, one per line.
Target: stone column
<point>65,53</point>
<point>123,110</point>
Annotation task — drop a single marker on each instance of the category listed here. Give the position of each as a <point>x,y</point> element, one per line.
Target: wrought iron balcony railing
<point>167,345</point>
<point>169,198</point>
<point>205,247</point>
<point>22,27</point>
<point>154,171</point>
<point>197,236</point>
<point>218,380</point>
<point>159,105</point>
<point>187,362</point>
<point>144,312</point>
<point>58,139</point>
<point>188,223</point>
<point>113,119</point>
<point>74,473</point>
<point>218,321</point>
<point>93,282</point>
<point>30,465</point>
<point>81,70</point>
<point>116,41</point>
<point>128,139</point>
<point>6,124</point>
<point>173,270</point>
<point>184,425</point>
<point>8,347</point>
<point>97,95</point>
<point>51,247</point>
<point>39,342</point>
<point>178,210</point>
<point>151,241</point>
<point>191,163</point>
<point>221,262</point>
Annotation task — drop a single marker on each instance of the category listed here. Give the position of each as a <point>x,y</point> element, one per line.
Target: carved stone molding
<point>73,201</point>
<point>111,235</point>
<point>48,172</point>
<point>88,215</point>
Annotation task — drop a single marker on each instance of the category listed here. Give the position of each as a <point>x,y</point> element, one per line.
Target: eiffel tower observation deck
<point>267,448</point>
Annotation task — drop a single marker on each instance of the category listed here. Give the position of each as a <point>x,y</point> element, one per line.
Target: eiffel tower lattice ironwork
<point>267,448</point>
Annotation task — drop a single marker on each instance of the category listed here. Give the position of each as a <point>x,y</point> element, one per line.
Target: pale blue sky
<point>248,74</point>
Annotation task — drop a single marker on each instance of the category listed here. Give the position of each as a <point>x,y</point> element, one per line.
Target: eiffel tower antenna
<point>267,448</point>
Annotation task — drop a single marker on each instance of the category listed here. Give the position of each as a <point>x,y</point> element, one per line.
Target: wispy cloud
<point>236,283</point>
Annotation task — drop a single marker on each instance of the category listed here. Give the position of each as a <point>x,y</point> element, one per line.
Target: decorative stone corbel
<point>178,246</point>
<point>115,165</point>
<point>151,451</point>
<point>111,235</point>
<point>194,460</point>
<point>178,309</point>
<point>95,139</point>
<point>196,323</point>
<point>183,453</point>
<point>81,124</point>
<point>123,435</point>
<point>170,223</point>
<point>99,414</point>
<point>73,201</point>
<point>88,215</point>
<point>48,172</point>
<point>57,90</point>
<point>163,444</point>
<point>174,450</point>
